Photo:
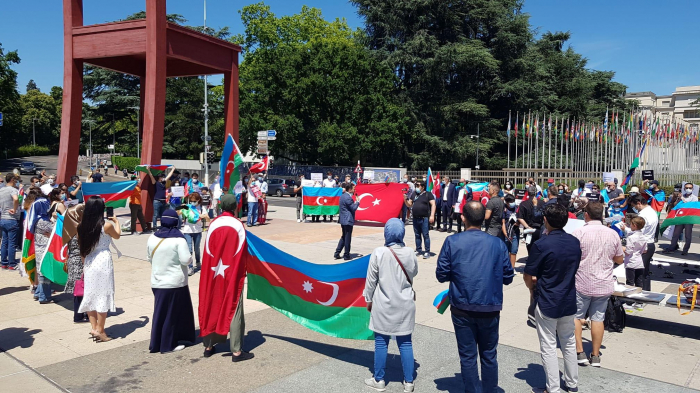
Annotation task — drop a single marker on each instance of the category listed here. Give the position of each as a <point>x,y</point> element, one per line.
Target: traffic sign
<point>263,138</point>
<point>271,133</point>
<point>208,138</point>
<point>262,133</point>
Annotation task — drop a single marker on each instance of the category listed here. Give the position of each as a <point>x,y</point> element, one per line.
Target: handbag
<point>410,282</point>
<point>79,287</point>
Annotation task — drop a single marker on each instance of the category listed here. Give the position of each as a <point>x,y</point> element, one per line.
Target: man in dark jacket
<point>448,194</point>
<point>477,265</point>
<point>346,220</point>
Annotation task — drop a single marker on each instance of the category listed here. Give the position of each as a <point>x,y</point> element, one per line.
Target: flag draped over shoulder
<point>115,194</point>
<point>56,255</point>
<point>379,202</point>
<point>231,161</point>
<point>683,213</point>
<point>321,200</point>
<point>153,169</point>
<point>324,298</point>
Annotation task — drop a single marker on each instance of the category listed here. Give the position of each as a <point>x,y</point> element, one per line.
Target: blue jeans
<point>10,229</point>
<point>381,344</point>
<point>477,335</point>
<point>194,239</point>
<point>420,228</point>
<point>43,290</point>
<point>252,213</point>
<point>158,209</point>
<point>512,245</point>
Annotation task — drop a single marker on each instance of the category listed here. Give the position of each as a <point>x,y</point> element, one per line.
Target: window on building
<point>667,102</point>
<point>691,114</point>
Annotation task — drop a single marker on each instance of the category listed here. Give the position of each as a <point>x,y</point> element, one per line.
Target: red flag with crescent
<point>379,202</point>
<point>261,166</point>
<point>222,275</point>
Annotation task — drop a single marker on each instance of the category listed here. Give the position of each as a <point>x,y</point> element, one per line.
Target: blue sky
<point>652,45</point>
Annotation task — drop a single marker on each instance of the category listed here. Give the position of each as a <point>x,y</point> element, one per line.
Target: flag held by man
<point>231,161</point>
<point>54,262</point>
<point>379,202</point>
<point>322,201</point>
<point>115,194</point>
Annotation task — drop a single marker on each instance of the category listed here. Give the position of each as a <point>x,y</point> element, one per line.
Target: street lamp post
<point>90,123</point>
<point>34,132</point>
<point>138,128</point>
<point>206,114</point>
<point>478,137</point>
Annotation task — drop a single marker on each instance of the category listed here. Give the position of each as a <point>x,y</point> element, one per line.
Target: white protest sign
<point>573,225</point>
<point>317,176</point>
<point>178,191</point>
<point>608,177</point>
<point>369,175</point>
<point>307,183</point>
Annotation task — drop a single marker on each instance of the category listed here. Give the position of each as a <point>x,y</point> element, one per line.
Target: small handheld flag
<point>442,300</point>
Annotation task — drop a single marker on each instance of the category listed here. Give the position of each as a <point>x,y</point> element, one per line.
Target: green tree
<point>31,85</point>
<point>39,112</point>
<point>9,100</point>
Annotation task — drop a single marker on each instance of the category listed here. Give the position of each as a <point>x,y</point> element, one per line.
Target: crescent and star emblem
<point>375,203</point>
<point>319,203</point>
<point>308,288</point>
<point>64,252</point>
<point>222,222</point>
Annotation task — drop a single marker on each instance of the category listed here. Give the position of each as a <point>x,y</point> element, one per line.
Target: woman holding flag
<point>192,228</point>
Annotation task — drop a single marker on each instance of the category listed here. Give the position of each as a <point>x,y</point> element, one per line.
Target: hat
<point>228,202</point>
<point>654,182</point>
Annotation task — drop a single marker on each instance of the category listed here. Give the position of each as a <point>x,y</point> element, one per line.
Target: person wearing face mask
<point>612,194</point>
<point>253,194</point>
<point>449,196</point>
<point>195,185</point>
<point>624,206</point>
<point>262,201</point>
<point>75,191</point>
<point>423,207</point>
<point>639,205</point>
<point>405,211</point>
<point>511,227</point>
<point>656,199</point>
<point>464,195</point>
<point>298,189</point>
<point>161,185</point>
<point>508,188</point>
<point>329,182</point>
<point>687,229</point>
<point>192,229</point>
<point>136,208</point>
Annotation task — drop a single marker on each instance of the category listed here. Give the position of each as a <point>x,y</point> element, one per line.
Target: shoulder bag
<point>404,271</point>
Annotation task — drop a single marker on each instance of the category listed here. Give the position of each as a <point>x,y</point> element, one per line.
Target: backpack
<point>615,317</point>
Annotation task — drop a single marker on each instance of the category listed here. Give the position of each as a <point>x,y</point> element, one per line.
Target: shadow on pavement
<point>664,327</point>
<point>454,384</point>
<point>11,290</point>
<point>122,330</point>
<point>17,338</point>
<point>533,375</point>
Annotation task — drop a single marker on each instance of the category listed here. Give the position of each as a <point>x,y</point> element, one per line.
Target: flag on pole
<point>429,179</point>
<point>56,255</point>
<point>261,166</point>
<point>635,164</point>
<point>115,194</point>
<point>508,131</point>
<point>36,211</point>
<point>231,159</point>
<point>436,186</point>
<point>154,169</point>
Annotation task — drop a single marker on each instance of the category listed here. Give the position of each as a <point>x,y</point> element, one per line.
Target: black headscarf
<point>168,226</point>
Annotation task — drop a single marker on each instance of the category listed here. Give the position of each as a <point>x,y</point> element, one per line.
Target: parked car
<point>27,168</point>
<point>280,187</point>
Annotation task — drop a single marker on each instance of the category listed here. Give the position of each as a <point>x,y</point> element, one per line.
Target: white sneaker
<point>378,386</point>
<point>408,387</point>
<point>298,220</point>
<point>179,348</point>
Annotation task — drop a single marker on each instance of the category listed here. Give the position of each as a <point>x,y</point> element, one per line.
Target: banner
<point>115,194</point>
<point>379,202</point>
<point>56,255</point>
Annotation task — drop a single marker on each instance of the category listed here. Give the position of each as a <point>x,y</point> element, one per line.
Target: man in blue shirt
<point>477,265</point>
<point>551,273</point>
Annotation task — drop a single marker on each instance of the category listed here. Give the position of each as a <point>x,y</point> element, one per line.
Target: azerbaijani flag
<point>323,201</point>
<point>28,246</point>
<point>56,255</point>
<point>442,300</point>
<point>154,169</point>
<point>657,200</point>
<point>429,179</point>
<point>683,213</point>
<point>635,164</point>
<point>115,194</point>
<point>231,159</point>
<point>324,298</point>
<point>480,192</point>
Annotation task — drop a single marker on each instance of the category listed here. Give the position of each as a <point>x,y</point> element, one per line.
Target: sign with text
<point>317,176</point>
<point>519,193</point>
<point>648,175</point>
<point>608,177</point>
<point>178,191</point>
<point>369,175</point>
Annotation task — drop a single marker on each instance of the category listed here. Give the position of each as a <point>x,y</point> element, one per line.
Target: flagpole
<point>509,139</point>
<point>549,151</point>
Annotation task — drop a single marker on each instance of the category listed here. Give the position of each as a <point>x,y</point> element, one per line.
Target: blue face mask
<point>635,210</point>
<point>561,192</point>
<point>512,205</point>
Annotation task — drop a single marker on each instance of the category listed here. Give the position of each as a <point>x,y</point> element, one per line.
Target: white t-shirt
<point>652,220</point>
<point>216,191</point>
<point>329,183</point>
<point>251,196</point>
<point>263,187</point>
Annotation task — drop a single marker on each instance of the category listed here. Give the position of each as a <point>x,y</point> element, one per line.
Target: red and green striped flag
<point>229,166</point>
<point>323,201</point>
<point>154,169</point>
<point>683,213</point>
<point>429,179</point>
<point>442,300</point>
<point>327,299</point>
<point>115,194</point>
<point>56,255</point>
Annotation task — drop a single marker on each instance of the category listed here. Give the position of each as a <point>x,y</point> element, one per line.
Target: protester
<point>533,183</point>
<point>94,239</point>
<point>173,318</point>
<point>477,266</point>
<point>656,199</point>
<point>347,220</point>
<point>550,273</point>
<point>635,247</point>
<point>253,194</point>
<point>97,176</point>
<point>207,210</point>
<point>529,217</point>
<point>449,196</point>
<point>511,228</point>
<point>580,191</point>
<point>422,204</point>
<point>75,191</point>
<point>298,192</point>
<point>56,203</point>
<point>136,209</point>
<point>633,190</point>
<point>686,229</point>
<point>41,227</point>
<point>391,302</point>
<point>75,282</point>
<point>262,200</point>
<point>159,196</point>
<point>494,212</point>
<point>331,183</point>
<point>227,316</point>
<point>464,195</point>
<point>508,188</point>
<point>614,194</point>
<point>651,222</point>
<point>194,184</point>
<point>601,250</point>
<point>192,229</point>
<point>9,221</point>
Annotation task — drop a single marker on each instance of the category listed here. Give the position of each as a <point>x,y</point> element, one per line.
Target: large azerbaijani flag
<point>231,159</point>
<point>323,201</point>
<point>56,255</point>
<point>28,245</point>
<point>683,213</point>
<point>324,298</point>
<point>115,194</point>
<point>153,169</point>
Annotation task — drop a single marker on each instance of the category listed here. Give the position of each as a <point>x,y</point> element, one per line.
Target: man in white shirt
<point>639,205</point>
<point>330,183</point>
<point>253,193</point>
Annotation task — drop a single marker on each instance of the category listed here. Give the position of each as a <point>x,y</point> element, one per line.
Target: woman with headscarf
<point>94,238</point>
<point>41,226</point>
<point>391,301</point>
<point>74,264</point>
<point>173,317</point>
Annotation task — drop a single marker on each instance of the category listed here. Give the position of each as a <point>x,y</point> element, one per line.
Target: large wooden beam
<point>71,116</point>
<point>231,101</point>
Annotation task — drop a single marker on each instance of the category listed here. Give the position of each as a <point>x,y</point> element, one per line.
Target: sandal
<point>103,337</point>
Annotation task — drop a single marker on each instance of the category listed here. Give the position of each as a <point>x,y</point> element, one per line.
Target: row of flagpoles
<point>555,142</point>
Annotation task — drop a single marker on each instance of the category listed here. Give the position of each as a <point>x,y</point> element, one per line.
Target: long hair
<point>90,228</point>
<point>55,195</point>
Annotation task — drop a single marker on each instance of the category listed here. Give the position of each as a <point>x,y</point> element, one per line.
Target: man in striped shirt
<point>601,250</point>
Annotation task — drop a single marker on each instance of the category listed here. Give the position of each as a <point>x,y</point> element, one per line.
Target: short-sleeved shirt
<point>206,199</point>
<point>421,203</point>
<point>97,178</point>
<point>526,211</point>
<point>78,195</point>
<point>495,223</point>
<point>614,194</point>
<point>7,203</point>
<point>599,245</point>
<point>160,190</point>
<point>135,198</point>
<point>554,260</point>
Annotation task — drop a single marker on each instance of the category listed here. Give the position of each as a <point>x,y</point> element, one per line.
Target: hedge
<point>126,162</point>
<point>29,150</point>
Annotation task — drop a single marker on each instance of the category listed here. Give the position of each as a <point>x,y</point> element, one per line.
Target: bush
<point>126,162</point>
<point>29,150</point>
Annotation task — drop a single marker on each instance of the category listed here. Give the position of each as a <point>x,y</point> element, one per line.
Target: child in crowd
<point>207,211</point>
<point>636,246</point>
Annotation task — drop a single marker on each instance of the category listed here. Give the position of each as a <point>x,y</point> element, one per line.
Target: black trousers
<point>344,241</point>
<point>634,277</point>
<point>446,216</point>
<point>137,212</point>
<point>687,229</point>
<point>438,216</point>
<point>646,258</point>
<point>78,316</point>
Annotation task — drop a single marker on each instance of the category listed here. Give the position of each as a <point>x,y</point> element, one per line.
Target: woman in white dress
<point>94,238</point>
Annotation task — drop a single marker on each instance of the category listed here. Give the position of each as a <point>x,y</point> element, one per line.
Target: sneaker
<point>582,359</point>
<point>629,309</point>
<point>298,220</point>
<point>418,253</point>
<point>408,387</point>
<point>5,267</point>
<point>242,357</point>
<point>426,255</point>
<point>190,271</point>
<point>378,386</point>
<point>571,390</point>
<point>179,348</point>
<point>12,268</point>
<point>639,306</point>
<point>595,360</point>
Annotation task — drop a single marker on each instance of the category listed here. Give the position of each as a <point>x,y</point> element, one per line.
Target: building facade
<point>681,106</point>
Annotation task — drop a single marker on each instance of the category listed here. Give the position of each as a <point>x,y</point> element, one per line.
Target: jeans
<point>381,345</point>
<point>194,239</point>
<point>548,329</point>
<point>344,241</point>
<point>10,229</point>
<point>477,335</point>
<point>512,245</point>
<point>78,316</point>
<point>300,209</point>
<point>420,228</point>
<point>252,213</point>
<point>687,229</point>
<point>158,209</point>
<point>137,212</point>
<point>43,290</point>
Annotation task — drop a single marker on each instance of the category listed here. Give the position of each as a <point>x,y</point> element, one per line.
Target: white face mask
<point>50,181</point>
<point>687,192</point>
<point>37,184</point>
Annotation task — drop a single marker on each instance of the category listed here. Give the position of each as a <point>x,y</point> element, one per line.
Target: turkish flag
<point>379,202</point>
<point>222,275</point>
<point>261,166</point>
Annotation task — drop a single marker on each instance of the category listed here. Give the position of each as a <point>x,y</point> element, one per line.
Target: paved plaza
<point>43,349</point>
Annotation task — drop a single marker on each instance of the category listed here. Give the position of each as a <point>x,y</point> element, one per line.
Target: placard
<point>238,188</point>
<point>369,175</point>
<point>255,190</point>
<point>178,191</point>
<point>648,174</point>
<point>608,177</point>
<point>519,193</point>
<point>317,176</point>
<point>572,225</point>
<point>307,183</point>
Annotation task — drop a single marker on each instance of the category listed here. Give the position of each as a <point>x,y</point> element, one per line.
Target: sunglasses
<point>596,188</point>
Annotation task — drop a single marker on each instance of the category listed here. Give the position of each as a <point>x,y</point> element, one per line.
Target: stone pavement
<point>657,351</point>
